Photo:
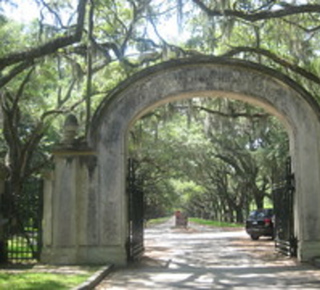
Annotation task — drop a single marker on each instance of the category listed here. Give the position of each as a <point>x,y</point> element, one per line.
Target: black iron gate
<point>135,245</point>
<point>283,198</point>
<point>23,227</point>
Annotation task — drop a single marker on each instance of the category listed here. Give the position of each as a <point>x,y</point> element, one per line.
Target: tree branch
<point>232,115</point>
<point>21,90</point>
<point>51,46</point>
<point>305,29</point>
<point>60,111</point>
<point>14,72</point>
<point>57,17</point>
<point>286,10</point>
<point>68,94</point>
<point>295,68</point>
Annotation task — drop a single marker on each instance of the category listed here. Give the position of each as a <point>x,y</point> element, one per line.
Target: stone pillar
<point>70,208</point>
<point>70,202</point>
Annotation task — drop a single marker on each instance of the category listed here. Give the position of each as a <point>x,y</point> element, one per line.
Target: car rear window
<point>261,213</point>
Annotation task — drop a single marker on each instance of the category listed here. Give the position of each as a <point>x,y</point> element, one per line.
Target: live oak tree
<point>27,91</point>
<point>217,157</point>
<point>250,30</point>
<point>14,62</point>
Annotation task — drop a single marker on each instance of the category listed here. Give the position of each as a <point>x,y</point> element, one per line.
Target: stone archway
<point>91,184</point>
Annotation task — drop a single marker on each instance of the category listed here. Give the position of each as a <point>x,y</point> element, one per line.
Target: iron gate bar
<point>283,197</point>
<point>23,231</point>
<point>135,247</point>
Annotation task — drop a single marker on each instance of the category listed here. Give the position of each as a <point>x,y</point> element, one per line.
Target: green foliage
<point>216,156</point>
<point>191,154</point>
<point>214,223</point>
<point>157,221</point>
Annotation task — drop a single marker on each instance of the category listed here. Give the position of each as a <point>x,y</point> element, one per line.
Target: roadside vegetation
<point>157,221</point>
<point>215,223</point>
<point>199,221</point>
<point>16,278</point>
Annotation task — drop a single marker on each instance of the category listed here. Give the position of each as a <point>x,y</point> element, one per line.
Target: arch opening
<point>187,176</point>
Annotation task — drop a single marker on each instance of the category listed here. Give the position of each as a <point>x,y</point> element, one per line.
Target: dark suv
<point>260,223</point>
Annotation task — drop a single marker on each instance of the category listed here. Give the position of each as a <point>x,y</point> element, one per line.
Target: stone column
<point>69,202</point>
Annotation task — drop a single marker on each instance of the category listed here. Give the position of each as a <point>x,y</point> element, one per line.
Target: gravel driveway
<point>200,257</point>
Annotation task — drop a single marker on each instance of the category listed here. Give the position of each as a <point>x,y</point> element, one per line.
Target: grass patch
<point>157,221</point>
<point>30,280</point>
<point>215,223</point>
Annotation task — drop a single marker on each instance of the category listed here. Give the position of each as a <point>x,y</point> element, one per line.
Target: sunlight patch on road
<point>170,277</point>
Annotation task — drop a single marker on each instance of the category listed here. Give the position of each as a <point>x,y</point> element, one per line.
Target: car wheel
<point>254,237</point>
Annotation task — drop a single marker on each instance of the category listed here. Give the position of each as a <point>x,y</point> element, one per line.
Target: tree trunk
<point>259,201</point>
<point>239,215</point>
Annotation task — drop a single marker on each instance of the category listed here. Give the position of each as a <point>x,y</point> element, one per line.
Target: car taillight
<point>267,222</point>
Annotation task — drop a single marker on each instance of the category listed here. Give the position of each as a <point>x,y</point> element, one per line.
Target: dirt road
<point>200,257</point>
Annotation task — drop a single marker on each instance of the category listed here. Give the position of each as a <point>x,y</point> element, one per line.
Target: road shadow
<point>211,259</point>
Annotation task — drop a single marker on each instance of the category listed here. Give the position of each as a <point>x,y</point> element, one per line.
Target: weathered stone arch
<point>102,228</point>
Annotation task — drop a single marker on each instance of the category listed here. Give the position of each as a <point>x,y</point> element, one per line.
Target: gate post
<point>69,202</point>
